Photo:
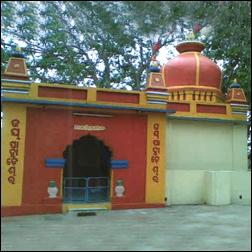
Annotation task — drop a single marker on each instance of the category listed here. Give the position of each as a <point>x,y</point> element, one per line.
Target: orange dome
<point>191,70</point>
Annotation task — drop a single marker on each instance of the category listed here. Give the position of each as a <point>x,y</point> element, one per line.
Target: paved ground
<point>185,228</point>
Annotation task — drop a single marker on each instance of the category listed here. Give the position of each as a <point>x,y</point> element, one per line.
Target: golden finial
<point>18,48</point>
<point>190,36</point>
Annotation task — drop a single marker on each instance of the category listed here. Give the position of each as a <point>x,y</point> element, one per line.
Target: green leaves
<point>108,43</point>
<point>230,41</point>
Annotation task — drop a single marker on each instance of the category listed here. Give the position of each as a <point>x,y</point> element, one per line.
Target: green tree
<point>229,39</point>
<point>109,43</point>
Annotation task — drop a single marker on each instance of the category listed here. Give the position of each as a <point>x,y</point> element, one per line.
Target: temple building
<point>179,141</point>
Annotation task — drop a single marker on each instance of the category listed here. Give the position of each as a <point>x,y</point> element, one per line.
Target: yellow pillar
<point>12,153</point>
<point>91,94</point>
<point>176,96</point>
<point>189,95</point>
<point>181,95</point>
<point>208,96</point>
<point>197,95</point>
<point>155,172</point>
<point>193,107</point>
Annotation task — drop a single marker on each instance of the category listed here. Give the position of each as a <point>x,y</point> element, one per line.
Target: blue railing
<point>86,189</point>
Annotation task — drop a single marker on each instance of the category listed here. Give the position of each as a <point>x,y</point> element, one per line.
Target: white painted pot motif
<point>119,189</point>
<point>52,189</point>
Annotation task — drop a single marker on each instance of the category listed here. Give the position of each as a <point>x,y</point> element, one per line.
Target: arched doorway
<point>87,170</point>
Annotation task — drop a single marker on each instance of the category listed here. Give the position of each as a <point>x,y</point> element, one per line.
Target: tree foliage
<point>109,43</point>
<point>230,38</point>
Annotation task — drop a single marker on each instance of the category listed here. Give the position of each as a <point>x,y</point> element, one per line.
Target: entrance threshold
<point>67,207</point>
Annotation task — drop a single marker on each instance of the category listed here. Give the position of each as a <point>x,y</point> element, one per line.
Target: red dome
<point>191,70</point>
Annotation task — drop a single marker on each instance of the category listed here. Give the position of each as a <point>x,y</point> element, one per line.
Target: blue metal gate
<point>87,189</point>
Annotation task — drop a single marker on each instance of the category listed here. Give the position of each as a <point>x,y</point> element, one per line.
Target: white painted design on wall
<point>89,127</point>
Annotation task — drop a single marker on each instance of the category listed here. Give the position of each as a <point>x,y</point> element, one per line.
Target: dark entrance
<point>87,170</point>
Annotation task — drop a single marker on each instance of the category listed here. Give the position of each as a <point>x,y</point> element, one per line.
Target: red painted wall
<point>65,93</point>
<point>179,106</point>
<point>117,97</point>
<point>211,109</point>
<point>50,130</point>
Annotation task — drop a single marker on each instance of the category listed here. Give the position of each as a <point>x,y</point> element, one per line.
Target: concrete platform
<point>176,228</point>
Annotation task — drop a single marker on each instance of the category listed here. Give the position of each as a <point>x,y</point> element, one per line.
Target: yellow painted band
<point>67,207</point>
<point>15,85</point>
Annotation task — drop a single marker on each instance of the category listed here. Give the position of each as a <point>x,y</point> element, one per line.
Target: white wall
<point>241,187</point>
<point>185,187</point>
<point>193,149</point>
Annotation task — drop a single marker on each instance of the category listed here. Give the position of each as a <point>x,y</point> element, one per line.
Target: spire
<point>235,84</point>
<point>16,68</point>
<point>156,92</point>
<point>235,94</point>
<point>154,65</point>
